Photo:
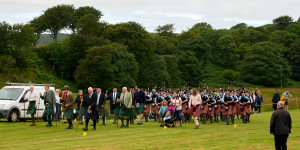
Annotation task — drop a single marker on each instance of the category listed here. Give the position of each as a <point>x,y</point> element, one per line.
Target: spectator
<point>275,100</point>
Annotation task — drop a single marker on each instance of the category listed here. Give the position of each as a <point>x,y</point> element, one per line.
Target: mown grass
<point>254,135</point>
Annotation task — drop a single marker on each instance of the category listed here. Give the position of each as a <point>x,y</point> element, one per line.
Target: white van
<point>13,107</point>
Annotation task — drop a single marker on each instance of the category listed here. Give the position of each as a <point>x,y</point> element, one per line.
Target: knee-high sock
<point>103,119</point>
<point>127,122</point>
<point>86,123</point>
<point>32,117</point>
<point>196,121</point>
<point>49,119</point>
<point>122,120</point>
<point>115,118</point>
<point>95,123</point>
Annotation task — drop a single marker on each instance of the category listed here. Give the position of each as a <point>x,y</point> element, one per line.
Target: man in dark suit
<point>100,104</point>
<point>280,126</point>
<point>275,99</point>
<point>89,102</point>
<point>112,97</point>
<point>139,103</point>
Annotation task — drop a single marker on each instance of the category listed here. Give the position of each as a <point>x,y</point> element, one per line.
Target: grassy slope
<point>254,135</point>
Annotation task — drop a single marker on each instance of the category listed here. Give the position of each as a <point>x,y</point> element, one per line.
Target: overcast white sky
<point>151,13</point>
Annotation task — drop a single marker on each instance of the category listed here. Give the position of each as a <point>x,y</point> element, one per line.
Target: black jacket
<point>87,101</point>
<point>276,98</point>
<point>139,97</point>
<point>281,122</point>
<point>110,97</point>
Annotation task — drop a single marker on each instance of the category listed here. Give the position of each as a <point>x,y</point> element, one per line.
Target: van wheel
<point>13,116</point>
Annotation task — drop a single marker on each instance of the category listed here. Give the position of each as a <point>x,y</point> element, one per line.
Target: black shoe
<point>71,127</point>
<point>85,129</point>
<point>103,124</point>
<point>122,126</point>
<point>126,126</point>
<point>92,124</point>
<point>68,127</point>
<point>94,129</point>
<point>48,125</point>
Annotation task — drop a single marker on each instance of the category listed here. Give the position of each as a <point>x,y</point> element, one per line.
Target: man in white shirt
<point>33,98</point>
<point>112,97</point>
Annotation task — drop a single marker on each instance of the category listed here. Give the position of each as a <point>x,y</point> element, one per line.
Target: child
<point>163,109</point>
<point>168,119</point>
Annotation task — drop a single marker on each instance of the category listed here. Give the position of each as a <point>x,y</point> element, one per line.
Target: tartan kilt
<point>82,112</point>
<point>234,109</point>
<point>184,110</point>
<point>211,112</point>
<point>195,111</point>
<point>140,109</point>
<point>229,112</point>
<point>245,109</point>
<point>250,109</point>
<point>154,109</point>
<point>33,109</point>
<point>238,108</point>
<point>126,113</point>
<point>103,111</point>
<point>69,113</point>
<point>222,109</point>
<point>147,110</point>
<point>93,115</point>
<point>204,111</point>
<point>114,111</point>
<point>50,110</point>
<point>217,110</point>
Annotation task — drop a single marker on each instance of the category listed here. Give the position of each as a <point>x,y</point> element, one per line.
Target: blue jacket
<point>139,97</point>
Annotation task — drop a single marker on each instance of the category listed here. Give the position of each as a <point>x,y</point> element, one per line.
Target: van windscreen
<point>10,93</point>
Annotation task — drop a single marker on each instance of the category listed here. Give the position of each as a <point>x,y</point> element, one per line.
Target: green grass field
<point>254,135</point>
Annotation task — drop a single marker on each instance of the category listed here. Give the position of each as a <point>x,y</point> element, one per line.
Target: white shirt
<point>98,97</point>
<point>32,96</point>
<point>57,98</point>
<point>177,101</point>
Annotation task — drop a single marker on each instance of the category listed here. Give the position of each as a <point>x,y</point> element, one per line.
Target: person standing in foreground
<point>49,101</point>
<point>112,97</point>
<point>280,126</point>
<point>100,104</point>
<point>125,102</point>
<point>139,101</point>
<point>89,102</point>
<point>194,105</point>
<point>33,98</point>
<point>275,100</point>
<point>69,107</point>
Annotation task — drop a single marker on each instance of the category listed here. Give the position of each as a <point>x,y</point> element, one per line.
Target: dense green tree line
<point>125,53</point>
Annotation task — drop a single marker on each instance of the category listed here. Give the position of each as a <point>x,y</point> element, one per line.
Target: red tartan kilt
<point>222,109</point>
<point>184,110</point>
<point>204,111</point>
<point>234,109</point>
<point>217,110</point>
<point>212,111</point>
<point>195,111</point>
<point>249,109</point>
<point>245,110</point>
<point>147,110</point>
<point>229,112</point>
<point>154,109</point>
<point>238,108</point>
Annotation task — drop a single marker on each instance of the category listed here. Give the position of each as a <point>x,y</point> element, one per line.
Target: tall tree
<point>283,21</point>
<point>165,30</point>
<point>293,58</point>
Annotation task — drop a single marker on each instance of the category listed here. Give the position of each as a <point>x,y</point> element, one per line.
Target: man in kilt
<point>243,106</point>
<point>217,106</point>
<point>139,102</point>
<point>89,102</point>
<point>125,103</point>
<point>154,105</point>
<point>49,101</point>
<point>148,105</point>
<point>233,104</point>
<point>249,105</point>
<point>100,105</point>
<point>211,109</point>
<point>194,105</point>
<point>69,106</point>
<point>227,101</point>
<point>204,106</point>
<point>112,97</point>
<point>131,118</point>
<point>80,109</point>
<point>159,101</point>
<point>33,98</point>
<point>185,105</point>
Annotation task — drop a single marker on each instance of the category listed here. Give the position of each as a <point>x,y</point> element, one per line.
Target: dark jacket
<point>102,99</point>
<point>87,101</point>
<point>281,122</point>
<point>276,98</point>
<point>139,97</point>
<point>78,101</point>
<point>259,99</point>
<point>110,98</point>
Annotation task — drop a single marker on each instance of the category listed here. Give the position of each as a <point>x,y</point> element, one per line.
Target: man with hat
<point>204,106</point>
<point>69,106</point>
<point>49,101</point>
<point>80,109</point>
<point>100,104</point>
<point>243,106</point>
<point>112,97</point>
<point>147,105</point>
<point>89,102</point>
<point>227,100</point>
<point>33,99</point>
<point>125,103</point>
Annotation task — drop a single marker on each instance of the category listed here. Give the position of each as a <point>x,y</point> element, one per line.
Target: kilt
<point>184,110</point>
<point>114,110</point>
<point>211,112</point>
<point>125,113</point>
<point>234,109</point>
<point>140,109</point>
<point>204,111</point>
<point>69,113</point>
<point>50,110</point>
<point>83,111</point>
<point>222,109</point>
<point>154,109</point>
<point>245,109</point>
<point>250,111</point>
<point>217,110</point>
<point>93,115</point>
<point>195,111</point>
<point>229,112</point>
<point>238,108</point>
<point>31,108</point>
<point>103,111</point>
<point>147,110</point>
